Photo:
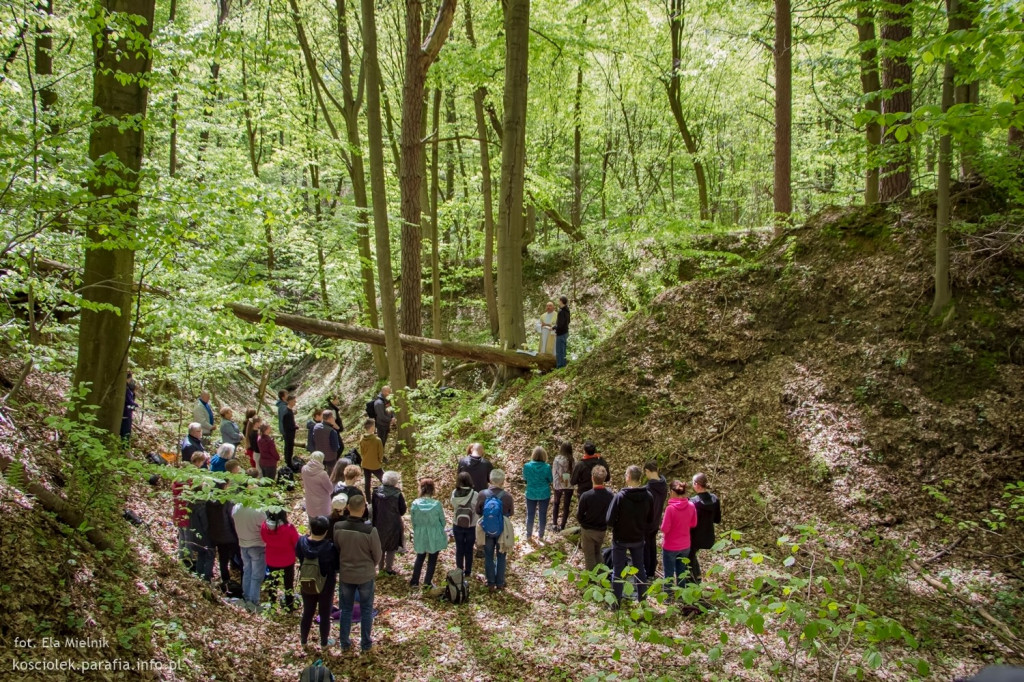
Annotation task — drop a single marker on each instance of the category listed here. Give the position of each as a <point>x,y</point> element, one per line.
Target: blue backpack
<point>493,519</point>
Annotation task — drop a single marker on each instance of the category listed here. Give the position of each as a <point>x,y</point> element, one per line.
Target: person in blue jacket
<point>537,474</point>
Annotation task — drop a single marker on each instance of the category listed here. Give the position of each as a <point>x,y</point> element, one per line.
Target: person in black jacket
<point>658,487</point>
<point>709,512</point>
<point>592,514</point>
<point>222,536</point>
<point>477,466</point>
<point>581,472</point>
<point>288,429</point>
<point>630,514</point>
<point>383,415</point>
<point>318,545</point>
<point>562,332</point>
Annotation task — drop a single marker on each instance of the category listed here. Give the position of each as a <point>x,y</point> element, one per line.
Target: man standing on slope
<point>478,468</point>
<point>630,515</point>
<point>383,415</point>
<point>658,487</point>
<point>202,413</point>
<point>562,332</point>
<point>359,552</point>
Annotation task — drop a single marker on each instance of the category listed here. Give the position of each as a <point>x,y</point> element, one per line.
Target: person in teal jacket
<point>428,535</point>
<point>537,474</point>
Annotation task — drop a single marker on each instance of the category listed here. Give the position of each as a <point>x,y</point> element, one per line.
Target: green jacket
<point>428,534</point>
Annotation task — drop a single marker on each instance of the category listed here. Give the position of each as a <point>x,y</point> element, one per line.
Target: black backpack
<point>370,411</point>
<point>317,672</point>
<point>456,591</point>
<point>354,456</point>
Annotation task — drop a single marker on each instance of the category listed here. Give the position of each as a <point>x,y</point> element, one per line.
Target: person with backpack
<point>353,477</point>
<point>477,466</point>
<point>379,409</point>
<point>494,506</point>
<point>326,439</point>
<point>280,538</point>
<point>709,512</point>
<point>248,525</point>
<point>318,571</point>
<point>680,519</point>
<point>269,456</point>
<point>464,520</point>
<point>592,515</point>
<point>317,486</point>
<point>371,454</point>
<point>630,515</point>
<point>581,472</point>
<point>561,472</point>
<point>359,553</point>
<point>388,509</point>
<point>428,533</point>
<point>658,487</point>
<point>288,430</point>
<point>537,474</point>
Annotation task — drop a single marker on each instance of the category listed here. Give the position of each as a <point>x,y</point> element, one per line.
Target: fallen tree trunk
<point>414,344</point>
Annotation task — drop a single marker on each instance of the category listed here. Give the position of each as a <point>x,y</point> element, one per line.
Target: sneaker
<point>330,642</point>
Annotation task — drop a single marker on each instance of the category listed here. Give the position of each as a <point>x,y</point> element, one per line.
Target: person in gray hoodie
<point>359,553</point>
<point>248,522</point>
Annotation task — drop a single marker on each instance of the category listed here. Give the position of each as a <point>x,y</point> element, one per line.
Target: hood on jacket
<point>313,467</point>
<point>367,436</point>
<point>678,501</point>
<point>596,455</point>
<point>636,494</point>
<point>462,495</point>
<point>389,491</point>
<point>659,483</point>
<point>271,524</point>
<point>425,503</point>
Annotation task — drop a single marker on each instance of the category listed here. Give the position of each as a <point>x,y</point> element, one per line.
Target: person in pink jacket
<point>280,537</point>
<point>680,517</point>
<point>316,483</point>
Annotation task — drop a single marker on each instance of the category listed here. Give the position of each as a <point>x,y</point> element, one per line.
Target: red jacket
<point>680,517</point>
<point>268,452</point>
<point>280,542</point>
<point>181,514</point>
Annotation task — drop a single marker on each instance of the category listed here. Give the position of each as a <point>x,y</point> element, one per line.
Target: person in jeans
<point>658,487</point>
<point>388,510</point>
<point>562,332</point>
<point>561,472</point>
<point>428,533</point>
<point>709,512</point>
<point>495,566</point>
<point>248,522</point>
<point>630,514</point>
<point>359,553</point>
<point>537,474</point>
<point>680,519</point>
<point>318,546</point>
<point>464,520</point>
<point>592,514</point>
<point>280,538</point>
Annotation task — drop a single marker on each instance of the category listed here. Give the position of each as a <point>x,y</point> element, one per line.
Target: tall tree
<point>121,63</point>
<point>511,220</point>
<point>435,239</point>
<point>419,55</point>
<point>44,64</point>
<point>378,193</point>
<point>897,82</point>
<point>479,96</point>
<point>783,194</point>
<point>674,86</point>
<point>943,290</point>
<point>870,86</point>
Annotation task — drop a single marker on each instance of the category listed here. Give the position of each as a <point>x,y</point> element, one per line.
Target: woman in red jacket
<point>280,537</point>
<point>680,517</point>
<point>269,456</point>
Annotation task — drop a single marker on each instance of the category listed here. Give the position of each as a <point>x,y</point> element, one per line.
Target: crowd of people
<point>356,529</point>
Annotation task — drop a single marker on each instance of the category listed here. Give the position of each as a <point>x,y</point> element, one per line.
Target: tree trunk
<point>870,86</point>
<point>1015,135</point>
<point>469,352</point>
<point>897,82</point>
<point>943,291</point>
<point>962,19</point>
<point>172,160</point>
<point>511,325</point>
<point>419,55</point>
<point>676,104</point>
<point>783,192</point>
<point>576,212</point>
<point>121,66</point>
<point>44,66</point>
<point>378,191</point>
<point>223,10</point>
<point>435,255</point>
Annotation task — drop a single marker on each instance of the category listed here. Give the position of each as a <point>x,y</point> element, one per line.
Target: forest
<point>790,234</point>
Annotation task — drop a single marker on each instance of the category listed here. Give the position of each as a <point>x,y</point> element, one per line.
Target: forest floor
<point>801,373</point>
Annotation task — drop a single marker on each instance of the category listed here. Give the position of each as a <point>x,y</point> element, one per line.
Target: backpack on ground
<point>370,411</point>
<point>464,513</point>
<point>318,672</point>
<point>456,591</point>
<point>233,590</point>
<point>493,519</point>
<point>354,456</point>
<point>311,579</point>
